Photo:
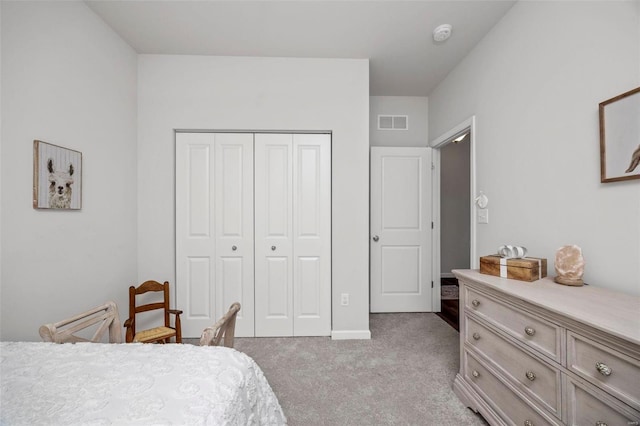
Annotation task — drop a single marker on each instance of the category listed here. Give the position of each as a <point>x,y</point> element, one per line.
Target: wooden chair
<point>224,327</point>
<point>64,331</point>
<point>160,334</point>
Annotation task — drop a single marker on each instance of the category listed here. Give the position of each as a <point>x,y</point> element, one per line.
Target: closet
<point>253,225</point>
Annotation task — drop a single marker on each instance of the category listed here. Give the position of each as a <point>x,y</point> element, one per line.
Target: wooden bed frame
<point>224,327</point>
<point>64,331</point>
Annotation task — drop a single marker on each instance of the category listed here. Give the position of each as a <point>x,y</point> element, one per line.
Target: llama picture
<point>59,186</point>
<point>57,177</point>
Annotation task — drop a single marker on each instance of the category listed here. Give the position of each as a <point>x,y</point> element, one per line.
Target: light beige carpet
<point>402,376</point>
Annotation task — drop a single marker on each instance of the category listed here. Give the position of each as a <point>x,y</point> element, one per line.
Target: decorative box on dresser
<point>539,353</point>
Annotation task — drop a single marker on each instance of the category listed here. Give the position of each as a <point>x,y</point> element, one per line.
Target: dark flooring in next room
<point>449,302</point>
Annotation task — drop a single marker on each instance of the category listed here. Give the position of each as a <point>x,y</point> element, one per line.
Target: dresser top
<point>613,312</point>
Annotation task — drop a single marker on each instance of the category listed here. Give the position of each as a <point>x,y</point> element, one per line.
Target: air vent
<point>393,122</point>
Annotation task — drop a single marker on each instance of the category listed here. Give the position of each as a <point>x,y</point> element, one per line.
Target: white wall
<point>534,84</point>
<point>415,107</point>
<point>69,80</point>
<point>455,229</point>
<point>200,92</point>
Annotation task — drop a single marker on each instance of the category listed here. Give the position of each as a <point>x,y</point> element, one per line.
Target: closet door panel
<point>309,288</point>
<point>277,288</point>
<point>312,234</point>
<point>273,243</point>
<point>195,237</point>
<point>234,227</point>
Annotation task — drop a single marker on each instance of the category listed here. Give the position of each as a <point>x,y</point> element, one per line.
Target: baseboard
<point>447,275</point>
<point>350,335</point>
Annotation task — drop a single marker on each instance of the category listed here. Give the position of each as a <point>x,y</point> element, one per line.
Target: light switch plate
<point>483,215</point>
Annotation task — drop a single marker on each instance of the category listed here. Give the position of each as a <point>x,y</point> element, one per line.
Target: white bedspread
<point>124,384</point>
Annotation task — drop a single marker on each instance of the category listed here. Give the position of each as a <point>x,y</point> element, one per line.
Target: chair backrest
<point>64,331</point>
<point>224,327</point>
<point>146,287</point>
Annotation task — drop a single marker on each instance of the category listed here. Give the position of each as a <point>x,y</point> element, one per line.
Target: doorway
<point>454,242</point>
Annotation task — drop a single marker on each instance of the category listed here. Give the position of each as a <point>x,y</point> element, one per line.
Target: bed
<point>132,384</point>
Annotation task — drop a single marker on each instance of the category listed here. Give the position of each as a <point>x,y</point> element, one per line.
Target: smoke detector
<point>442,32</point>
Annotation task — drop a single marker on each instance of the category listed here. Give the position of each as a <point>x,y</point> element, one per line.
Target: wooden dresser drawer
<point>607,368</point>
<point>537,333</point>
<point>590,407</point>
<point>512,409</point>
<point>538,380</point>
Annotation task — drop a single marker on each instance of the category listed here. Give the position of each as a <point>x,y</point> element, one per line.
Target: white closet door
<point>273,235</point>
<point>234,227</point>
<point>253,225</point>
<point>214,214</point>
<point>312,234</point>
<point>195,232</point>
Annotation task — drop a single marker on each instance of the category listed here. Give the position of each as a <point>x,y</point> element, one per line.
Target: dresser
<point>539,353</point>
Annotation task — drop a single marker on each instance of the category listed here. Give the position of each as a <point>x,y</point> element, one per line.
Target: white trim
<point>350,335</point>
<point>435,231</point>
<point>467,125</point>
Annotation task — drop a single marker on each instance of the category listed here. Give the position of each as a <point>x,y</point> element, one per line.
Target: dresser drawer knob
<point>475,303</point>
<point>530,331</point>
<point>599,423</point>
<point>528,423</point>
<point>604,369</point>
<point>531,375</point>
<point>476,336</point>
<point>474,373</point>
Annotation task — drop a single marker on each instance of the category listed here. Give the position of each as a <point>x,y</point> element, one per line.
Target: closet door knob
<point>234,248</point>
<point>376,238</point>
<point>273,248</point>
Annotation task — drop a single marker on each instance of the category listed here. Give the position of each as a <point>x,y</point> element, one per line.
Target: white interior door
<point>195,232</point>
<point>214,214</point>
<point>312,235</point>
<point>253,225</point>
<point>274,229</point>
<point>234,228</point>
<point>293,234</point>
<point>400,229</point>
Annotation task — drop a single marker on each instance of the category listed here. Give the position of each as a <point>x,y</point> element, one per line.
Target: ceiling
<point>395,35</point>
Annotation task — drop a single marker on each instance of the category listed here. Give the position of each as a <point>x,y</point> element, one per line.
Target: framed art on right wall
<point>620,137</point>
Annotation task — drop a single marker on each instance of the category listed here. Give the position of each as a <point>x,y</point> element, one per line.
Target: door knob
<point>273,248</point>
<point>234,248</point>
<point>376,238</point>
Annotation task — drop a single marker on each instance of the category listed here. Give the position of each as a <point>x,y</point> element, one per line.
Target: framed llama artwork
<point>620,137</point>
<point>57,177</point>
